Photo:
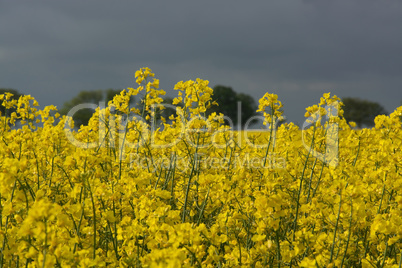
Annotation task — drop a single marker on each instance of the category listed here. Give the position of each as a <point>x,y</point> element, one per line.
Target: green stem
<point>382,197</point>
<point>5,228</point>
<point>385,255</point>
<point>349,232</point>
<point>278,250</point>
<point>189,181</point>
<point>336,228</point>
<point>187,191</point>
<point>45,249</point>
<point>94,219</point>
<point>300,187</point>
<point>203,207</point>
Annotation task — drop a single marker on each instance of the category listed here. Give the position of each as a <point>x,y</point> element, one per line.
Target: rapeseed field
<point>133,189</point>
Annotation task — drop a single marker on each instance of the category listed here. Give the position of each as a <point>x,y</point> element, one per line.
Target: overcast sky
<point>296,49</point>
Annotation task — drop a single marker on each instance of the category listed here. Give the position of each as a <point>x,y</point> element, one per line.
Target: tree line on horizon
<point>360,111</point>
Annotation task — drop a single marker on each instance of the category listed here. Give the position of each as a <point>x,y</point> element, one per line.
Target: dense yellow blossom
<point>126,191</point>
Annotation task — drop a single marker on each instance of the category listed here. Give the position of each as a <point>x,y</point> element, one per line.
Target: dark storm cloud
<point>297,49</point>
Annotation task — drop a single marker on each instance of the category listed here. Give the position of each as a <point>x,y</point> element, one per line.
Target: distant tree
<point>82,116</point>
<point>248,106</point>
<point>227,100</point>
<point>362,112</point>
<point>110,93</point>
<point>16,96</point>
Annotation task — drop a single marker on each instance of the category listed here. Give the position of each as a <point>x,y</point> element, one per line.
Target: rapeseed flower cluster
<point>126,191</point>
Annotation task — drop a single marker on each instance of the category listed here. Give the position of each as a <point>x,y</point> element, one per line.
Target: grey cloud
<point>54,49</point>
